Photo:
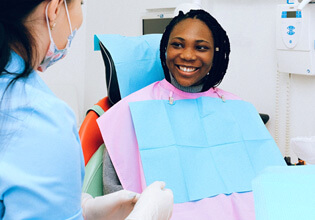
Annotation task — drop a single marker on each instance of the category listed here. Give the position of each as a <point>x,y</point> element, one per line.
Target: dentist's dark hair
<point>221,46</point>
<point>15,36</point>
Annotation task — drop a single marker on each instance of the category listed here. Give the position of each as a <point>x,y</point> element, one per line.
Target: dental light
<point>186,7</point>
<point>303,4</point>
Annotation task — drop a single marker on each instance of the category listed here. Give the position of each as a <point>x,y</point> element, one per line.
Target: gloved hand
<point>114,206</point>
<point>155,203</point>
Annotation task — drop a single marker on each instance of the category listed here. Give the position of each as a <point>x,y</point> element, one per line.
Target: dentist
<point>41,161</point>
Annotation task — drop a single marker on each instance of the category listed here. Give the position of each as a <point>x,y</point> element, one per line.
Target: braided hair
<point>221,45</point>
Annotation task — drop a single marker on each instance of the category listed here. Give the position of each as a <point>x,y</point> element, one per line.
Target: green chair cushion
<point>93,180</point>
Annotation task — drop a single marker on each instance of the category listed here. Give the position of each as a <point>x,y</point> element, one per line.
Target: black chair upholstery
<point>113,92</point>
<point>264,117</point>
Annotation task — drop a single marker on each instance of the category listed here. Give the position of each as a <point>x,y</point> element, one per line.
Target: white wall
<point>252,72</point>
<point>66,78</point>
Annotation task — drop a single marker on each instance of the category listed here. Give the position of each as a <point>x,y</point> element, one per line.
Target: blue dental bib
<point>202,147</point>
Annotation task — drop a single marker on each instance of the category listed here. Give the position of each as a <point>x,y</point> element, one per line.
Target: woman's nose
<point>188,54</point>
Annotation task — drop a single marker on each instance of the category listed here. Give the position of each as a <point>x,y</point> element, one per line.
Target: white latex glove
<point>114,206</point>
<point>155,203</point>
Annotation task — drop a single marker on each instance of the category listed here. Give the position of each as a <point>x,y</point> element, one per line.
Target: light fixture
<point>303,4</point>
<point>186,7</point>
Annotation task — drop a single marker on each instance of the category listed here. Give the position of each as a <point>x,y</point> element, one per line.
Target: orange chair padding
<point>90,135</point>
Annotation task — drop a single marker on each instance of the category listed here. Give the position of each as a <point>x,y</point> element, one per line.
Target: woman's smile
<point>187,68</point>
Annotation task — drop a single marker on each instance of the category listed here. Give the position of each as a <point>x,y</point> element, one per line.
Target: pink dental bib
<point>118,132</point>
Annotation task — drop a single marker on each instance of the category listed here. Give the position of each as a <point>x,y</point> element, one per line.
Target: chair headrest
<point>131,63</point>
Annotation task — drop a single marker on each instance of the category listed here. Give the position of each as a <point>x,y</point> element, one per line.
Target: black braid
<point>221,41</point>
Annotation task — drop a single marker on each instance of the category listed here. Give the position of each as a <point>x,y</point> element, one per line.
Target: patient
<point>220,143</point>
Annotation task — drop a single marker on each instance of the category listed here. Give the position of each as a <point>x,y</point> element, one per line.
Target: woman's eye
<point>202,48</point>
<point>177,45</point>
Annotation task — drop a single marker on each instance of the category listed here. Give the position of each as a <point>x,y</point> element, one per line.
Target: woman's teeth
<point>187,69</point>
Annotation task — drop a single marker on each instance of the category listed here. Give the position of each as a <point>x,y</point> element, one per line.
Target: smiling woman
<point>199,40</point>
<point>190,53</point>
<point>205,143</point>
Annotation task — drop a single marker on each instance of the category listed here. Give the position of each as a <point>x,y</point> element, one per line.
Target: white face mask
<point>54,54</point>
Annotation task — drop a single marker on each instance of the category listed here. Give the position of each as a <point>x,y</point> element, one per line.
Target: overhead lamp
<point>303,4</point>
<point>186,7</point>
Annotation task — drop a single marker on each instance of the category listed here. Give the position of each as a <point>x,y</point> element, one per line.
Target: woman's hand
<point>155,203</point>
<point>114,206</point>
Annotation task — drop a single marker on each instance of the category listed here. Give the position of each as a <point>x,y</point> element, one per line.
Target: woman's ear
<point>53,11</point>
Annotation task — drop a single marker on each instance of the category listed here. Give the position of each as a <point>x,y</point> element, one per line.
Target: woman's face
<point>190,51</point>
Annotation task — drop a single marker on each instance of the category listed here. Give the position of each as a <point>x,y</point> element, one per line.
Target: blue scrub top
<point>41,160</point>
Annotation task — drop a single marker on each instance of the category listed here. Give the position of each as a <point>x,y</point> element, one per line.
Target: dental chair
<point>123,57</point>
<point>92,143</point>
<point>93,148</point>
<point>91,139</point>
